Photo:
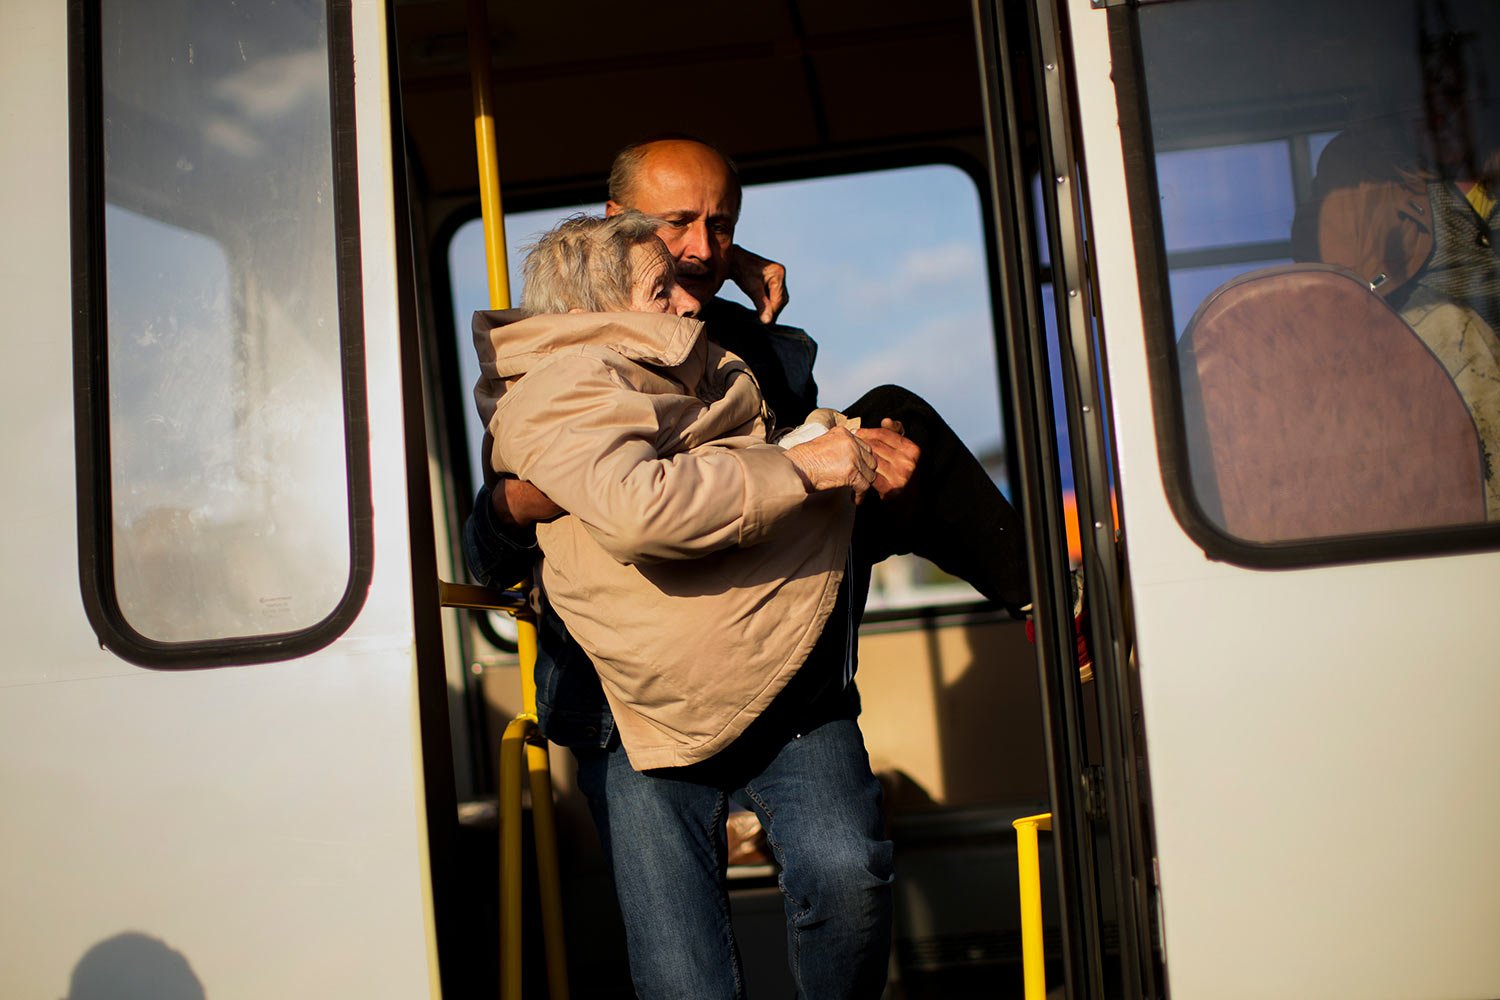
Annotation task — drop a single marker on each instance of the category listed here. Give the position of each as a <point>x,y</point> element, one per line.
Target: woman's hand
<point>835,460</point>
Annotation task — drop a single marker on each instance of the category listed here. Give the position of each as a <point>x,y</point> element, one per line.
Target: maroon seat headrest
<point>1313,410</point>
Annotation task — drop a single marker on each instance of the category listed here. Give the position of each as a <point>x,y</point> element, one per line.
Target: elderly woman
<point>698,563</point>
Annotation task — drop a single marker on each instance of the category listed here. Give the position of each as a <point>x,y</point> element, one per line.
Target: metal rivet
<point>1050,67</point>
<point>1087,409</point>
<point>1072,293</point>
<point>1062,180</point>
<point>1098,525</point>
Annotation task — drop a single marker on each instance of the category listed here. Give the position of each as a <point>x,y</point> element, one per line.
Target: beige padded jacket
<point>693,566</point>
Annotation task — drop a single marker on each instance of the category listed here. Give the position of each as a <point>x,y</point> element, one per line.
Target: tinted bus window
<point>1325,188</point>
<point>228,455</point>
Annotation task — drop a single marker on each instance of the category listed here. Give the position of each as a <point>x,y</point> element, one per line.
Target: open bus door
<point>1301,461</point>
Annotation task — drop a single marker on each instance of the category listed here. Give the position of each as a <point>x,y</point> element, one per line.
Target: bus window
<point>887,273</point>
<point>1324,191</point>
<point>220,335</point>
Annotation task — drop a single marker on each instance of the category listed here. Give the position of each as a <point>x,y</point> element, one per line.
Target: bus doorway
<point>951,698</point>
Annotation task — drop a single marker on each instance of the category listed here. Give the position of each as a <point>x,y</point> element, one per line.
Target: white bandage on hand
<point>818,423</point>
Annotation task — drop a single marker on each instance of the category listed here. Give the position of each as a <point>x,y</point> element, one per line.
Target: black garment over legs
<point>952,513</point>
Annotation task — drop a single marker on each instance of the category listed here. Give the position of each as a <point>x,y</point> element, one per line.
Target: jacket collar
<point>518,342</point>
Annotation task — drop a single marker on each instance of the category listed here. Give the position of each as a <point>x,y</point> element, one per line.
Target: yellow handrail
<point>1028,870</point>
<point>475,598</point>
<point>516,733</point>
<point>489,161</point>
<point>522,731</point>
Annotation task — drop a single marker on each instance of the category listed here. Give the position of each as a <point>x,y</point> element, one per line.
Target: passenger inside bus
<point>729,667</point>
<point>1408,203</point>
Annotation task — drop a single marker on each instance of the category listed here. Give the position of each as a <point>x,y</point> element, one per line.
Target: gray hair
<point>584,263</point>
<point>622,172</point>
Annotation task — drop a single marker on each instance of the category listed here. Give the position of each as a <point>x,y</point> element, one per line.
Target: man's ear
<point>612,207</point>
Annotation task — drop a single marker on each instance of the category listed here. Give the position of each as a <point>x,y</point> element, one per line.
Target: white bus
<point>245,751</point>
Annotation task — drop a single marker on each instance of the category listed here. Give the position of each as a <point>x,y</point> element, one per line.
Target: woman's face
<point>654,287</point>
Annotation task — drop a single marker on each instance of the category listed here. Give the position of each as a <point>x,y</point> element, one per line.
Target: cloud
<point>940,264</point>
<point>917,273</point>
<point>948,360</point>
<point>271,87</point>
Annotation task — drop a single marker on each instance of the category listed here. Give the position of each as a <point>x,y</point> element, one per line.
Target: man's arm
<point>519,506</point>
<point>497,555</point>
<point>762,280</point>
<point>522,505</point>
<point>499,537</point>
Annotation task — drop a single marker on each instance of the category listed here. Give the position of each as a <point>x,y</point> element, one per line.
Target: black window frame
<point>1164,373</point>
<point>91,374</point>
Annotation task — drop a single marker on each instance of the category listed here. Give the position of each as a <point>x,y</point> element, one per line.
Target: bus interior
<point>844,169</point>
<point>1236,103</point>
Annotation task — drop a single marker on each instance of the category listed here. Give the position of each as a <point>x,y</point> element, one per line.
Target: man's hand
<point>764,281</point>
<point>517,504</point>
<point>895,457</point>
<point>521,505</point>
<point>834,460</point>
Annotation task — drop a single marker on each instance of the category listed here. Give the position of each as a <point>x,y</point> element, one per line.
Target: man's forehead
<point>682,172</point>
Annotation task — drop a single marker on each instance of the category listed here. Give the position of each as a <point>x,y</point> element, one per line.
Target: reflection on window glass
<point>1225,195</point>
<point>887,272</point>
<point>226,432</point>
<point>1318,142</point>
<point>1355,391</point>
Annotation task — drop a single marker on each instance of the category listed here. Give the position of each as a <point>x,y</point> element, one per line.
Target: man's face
<point>688,186</point>
<point>654,288</point>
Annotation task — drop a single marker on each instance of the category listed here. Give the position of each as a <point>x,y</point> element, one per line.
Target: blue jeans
<point>663,833</point>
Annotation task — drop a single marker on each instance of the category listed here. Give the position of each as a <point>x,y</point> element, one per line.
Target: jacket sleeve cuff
<point>498,556</point>
<point>773,491</point>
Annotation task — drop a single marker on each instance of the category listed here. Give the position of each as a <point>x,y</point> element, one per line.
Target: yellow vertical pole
<point>521,732</point>
<point>549,881</point>
<point>1028,870</point>
<point>511,744</point>
<point>543,821</point>
<point>489,160</point>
